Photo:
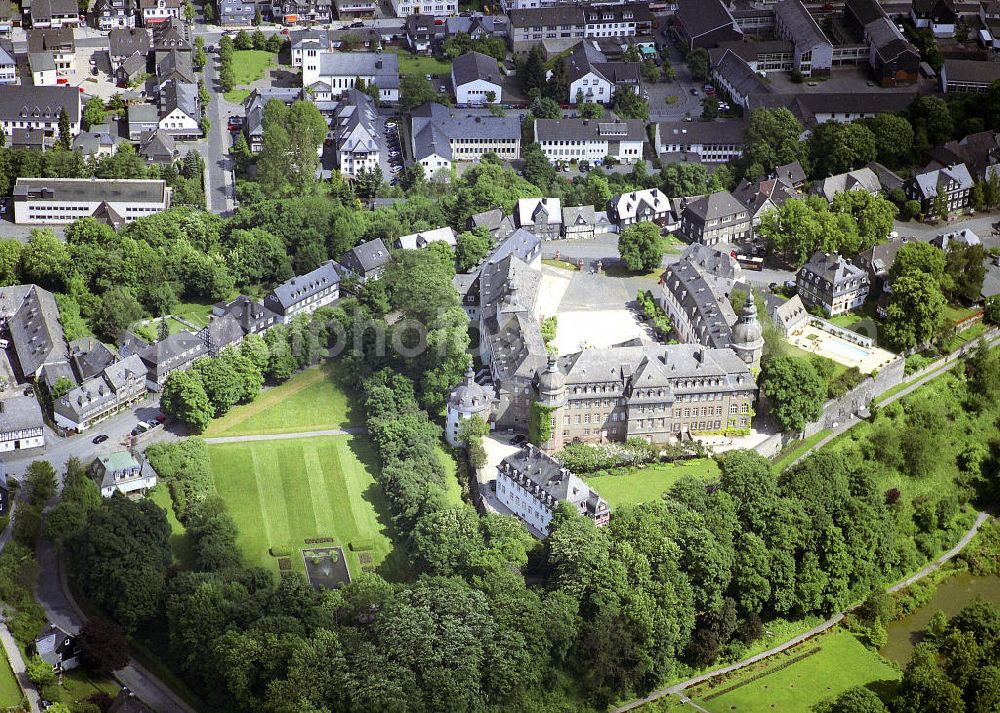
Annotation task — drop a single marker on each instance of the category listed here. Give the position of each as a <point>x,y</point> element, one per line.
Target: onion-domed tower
<point>748,339</point>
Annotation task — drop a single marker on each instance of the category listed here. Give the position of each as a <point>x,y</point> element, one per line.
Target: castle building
<point>468,399</point>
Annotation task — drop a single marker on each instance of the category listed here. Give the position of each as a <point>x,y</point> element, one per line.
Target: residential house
<point>421,33</point>
<point>56,647</point>
<point>716,218</point>
<point>704,23</point>
<point>889,180</point>
<point>366,261</point>
<point>154,12</point>
<point>578,222</point>
<point>230,322</point>
<point>701,141</point>
<point>350,9</point>
<point>495,222</point>
<point>57,42</point>
<point>142,119</point>
<point>424,238</point>
<point>158,147</point>
<point>738,81</point>
<point>54,13</point>
<point>180,115</point>
<point>877,261</point>
<point>792,175</point>
<point>618,20</point>
<point>107,15</point>
<point>174,353</point>
<point>959,238</point>
<point>441,136</point>
<point>8,64</point>
<point>130,72</point>
<point>303,12</point>
<point>812,53</point>
<point>762,196</point>
<point>831,282</point>
<point>989,18</point>
<point>977,151</point>
<point>177,67</point>
<point>43,69</point>
<point>121,472</point>
<point>124,43</point>
<point>786,315</point>
<point>863,179</point>
<point>565,140</point>
<point>939,15</point>
<point>31,139</point>
<point>31,316</point>
<point>968,75</point>
<point>57,201</point>
<point>253,105</point>
<point>171,35</point>
<point>96,142</point>
<point>7,17</point>
<point>438,8</point>
<point>304,294</point>
<point>476,79</point>
<point>355,128</point>
<point>532,485</point>
<point>327,75</point>
<point>953,182</point>
<point>237,13</point>
<point>540,216</point>
<point>477,26</point>
<point>21,424</point>
<point>530,27</point>
<point>88,357</point>
<point>592,78</point>
<point>100,397</point>
<point>640,206</point>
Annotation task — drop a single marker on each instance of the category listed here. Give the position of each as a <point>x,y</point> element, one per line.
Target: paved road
<point>215,147</point>
<point>678,689</point>
<point>17,665</point>
<point>285,436</point>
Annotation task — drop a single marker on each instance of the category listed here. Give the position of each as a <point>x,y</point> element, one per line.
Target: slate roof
<point>861,179</point>
<point>176,65</point>
<point>125,41</point>
<point>52,38</point>
<point>578,215</point>
<point>44,10</point>
<point>610,129</point>
<point>715,205</point>
<point>20,413</point>
<point>180,95</point>
<point>142,114</point>
<point>366,257</point>
<point>702,132</point>
<point>157,146</point>
<point>927,183</point>
<point>41,62</point>
<point>171,353</point>
<point>803,28</point>
<point>302,287</point>
<point>554,480</point>
<point>362,64</point>
<point>133,65</point>
<point>90,142</point>
<point>35,331</point>
<point>172,34</point>
<point>878,260</point>
<point>530,211</point>
<point>544,16</point>
<point>831,268</point>
<point>976,151</point>
<point>702,16</point>
<point>740,76</point>
<point>708,311</point>
<point>435,126</point>
<point>90,357</point>
<point>426,237</point>
<point>475,65</point>
<point>356,123</point>
<point>88,189</point>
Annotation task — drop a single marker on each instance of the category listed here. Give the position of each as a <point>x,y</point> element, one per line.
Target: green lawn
<point>957,314</point>
<point>77,685</point>
<point>561,264</point>
<point>309,401</point>
<point>10,692</point>
<point>645,484</point>
<point>250,65</point>
<point>180,543</point>
<point>194,312</point>
<point>793,451</point>
<point>410,63</point>
<point>282,492</point>
<point>236,96</point>
<point>820,669</point>
<point>454,488</point>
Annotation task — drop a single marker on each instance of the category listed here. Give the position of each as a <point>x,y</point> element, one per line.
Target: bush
<point>40,672</point>
<point>361,545</point>
<point>282,551</point>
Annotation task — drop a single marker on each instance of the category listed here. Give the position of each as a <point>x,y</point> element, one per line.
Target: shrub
<point>280,551</point>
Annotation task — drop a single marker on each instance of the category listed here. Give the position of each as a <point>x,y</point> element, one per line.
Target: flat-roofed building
<point>56,201</point>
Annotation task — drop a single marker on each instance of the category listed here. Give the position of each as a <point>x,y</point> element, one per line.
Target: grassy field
<point>561,264</point>
<point>410,63</point>
<point>193,312</point>
<point>309,401</point>
<point>77,685</point>
<point>789,454</point>
<point>248,67</point>
<point>820,669</point>
<point>10,692</point>
<point>285,491</point>
<point>645,484</point>
<point>180,543</point>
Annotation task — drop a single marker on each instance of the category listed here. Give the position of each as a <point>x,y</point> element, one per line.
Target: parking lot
<point>393,162</point>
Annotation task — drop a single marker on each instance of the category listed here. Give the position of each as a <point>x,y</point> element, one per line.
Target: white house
<point>468,399</point>
<point>591,139</point>
<point>426,237</point>
<point>21,424</point>
<point>56,201</point>
<point>441,136</point>
<point>327,75</point>
<point>590,75</point>
<point>355,132</point>
<point>157,11</point>
<point>440,8</point>
<point>704,141</point>
<point>476,78</point>
<point>8,66</point>
<point>121,472</point>
<point>43,69</point>
<point>304,294</point>
<point>57,42</point>
<point>640,206</point>
<point>180,115</point>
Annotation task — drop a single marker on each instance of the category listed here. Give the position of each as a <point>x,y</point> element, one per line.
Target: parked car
<point>694,91</point>
<point>4,344</point>
<point>99,439</point>
<point>518,440</point>
<point>235,123</point>
<point>161,419</point>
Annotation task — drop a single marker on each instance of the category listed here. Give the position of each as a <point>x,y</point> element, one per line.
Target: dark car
<point>357,24</point>
<point>518,440</point>
<point>99,439</point>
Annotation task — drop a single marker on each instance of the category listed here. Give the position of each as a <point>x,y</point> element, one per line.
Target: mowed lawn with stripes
<point>283,492</point>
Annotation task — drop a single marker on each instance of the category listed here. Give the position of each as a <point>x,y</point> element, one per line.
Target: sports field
<point>645,484</point>
<point>283,492</point>
<point>799,679</point>
<point>310,401</point>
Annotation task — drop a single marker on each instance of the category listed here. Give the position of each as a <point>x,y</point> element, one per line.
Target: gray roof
<point>929,182</point>
<point>803,28</point>
<point>171,34</point>
<point>383,68</point>
<point>133,65</point>
<point>180,95</point>
<point>490,24</point>
<point>46,9</point>
<point>143,114</point>
<point>542,16</point>
<point>554,481</point>
<point>702,16</point>
<point>124,42</point>
<point>715,205</point>
<point>709,312</point>
<point>738,73</point>
<point>41,62</point>
<point>157,146</point>
<point>610,129</point>
<point>578,215</point>
<point>251,315</point>
<point>356,123</point>
<point>435,126</point>
<point>831,268</point>
<point>54,645</point>
<point>878,260</point>
<point>90,356</point>
<point>35,330</point>
<point>93,189</point>
<point>98,137</point>
<point>964,237</point>
<point>302,287</point>
<point>702,132</point>
<point>366,257</point>
<point>475,65</point>
<point>174,352</point>
<point>861,179</point>
<point>6,56</point>
<point>176,65</point>
<point>756,195</point>
<point>51,38</point>
<point>19,413</point>
<point>469,397</point>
